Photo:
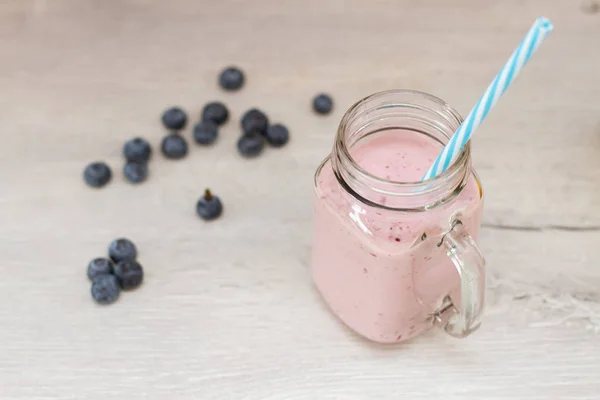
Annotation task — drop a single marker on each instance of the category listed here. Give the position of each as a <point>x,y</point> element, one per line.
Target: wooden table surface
<point>227,310</point>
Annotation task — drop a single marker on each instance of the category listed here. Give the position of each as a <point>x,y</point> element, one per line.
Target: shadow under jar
<point>393,256</point>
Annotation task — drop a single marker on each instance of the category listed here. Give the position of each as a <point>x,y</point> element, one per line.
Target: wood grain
<point>227,310</point>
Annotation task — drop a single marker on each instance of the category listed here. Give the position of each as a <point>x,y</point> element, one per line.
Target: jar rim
<point>434,118</point>
<point>457,164</point>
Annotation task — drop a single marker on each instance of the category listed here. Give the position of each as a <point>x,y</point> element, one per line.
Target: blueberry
<point>136,172</point>
<point>105,289</point>
<point>215,112</point>
<point>277,135</point>
<point>122,250</point>
<point>322,104</point>
<point>251,144</point>
<point>97,174</point>
<point>209,207</point>
<point>590,7</point>
<point>174,146</point>
<point>129,274</point>
<point>205,132</point>
<point>99,266</point>
<point>137,149</point>
<point>255,120</point>
<point>174,118</point>
<point>231,78</point>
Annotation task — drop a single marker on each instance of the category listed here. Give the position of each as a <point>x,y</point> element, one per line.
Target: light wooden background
<point>227,310</point>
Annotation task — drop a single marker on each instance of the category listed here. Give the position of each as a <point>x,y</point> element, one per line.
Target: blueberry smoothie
<point>378,266</point>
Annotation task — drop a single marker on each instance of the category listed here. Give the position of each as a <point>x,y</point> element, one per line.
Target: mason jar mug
<point>394,256</point>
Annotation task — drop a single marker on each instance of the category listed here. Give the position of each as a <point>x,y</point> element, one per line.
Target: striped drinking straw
<point>536,35</point>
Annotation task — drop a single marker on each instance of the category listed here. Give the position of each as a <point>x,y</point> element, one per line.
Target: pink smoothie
<point>370,264</point>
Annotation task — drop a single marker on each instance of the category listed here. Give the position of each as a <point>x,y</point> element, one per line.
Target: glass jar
<point>390,257</point>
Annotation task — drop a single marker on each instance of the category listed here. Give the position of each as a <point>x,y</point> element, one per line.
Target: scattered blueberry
<point>122,250</point>
<point>590,6</point>
<point>136,172</point>
<point>137,149</point>
<point>231,78</point>
<point>99,266</point>
<point>209,207</point>
<point>105,289</point>
<point>174,146</point>
<point>277,135</point>
<point>97,174</point>
<point>251,144</point>
<point>174,118</point>
<point>255,120</point>
<point>215,112</point>
<point>205,132</point>
<point>323,104</point>
<point>129,274</point>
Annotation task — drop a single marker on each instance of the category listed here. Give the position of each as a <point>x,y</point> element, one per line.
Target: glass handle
<point>459,317</point>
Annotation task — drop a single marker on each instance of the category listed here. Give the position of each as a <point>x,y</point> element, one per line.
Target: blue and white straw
<point>534,38</point>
